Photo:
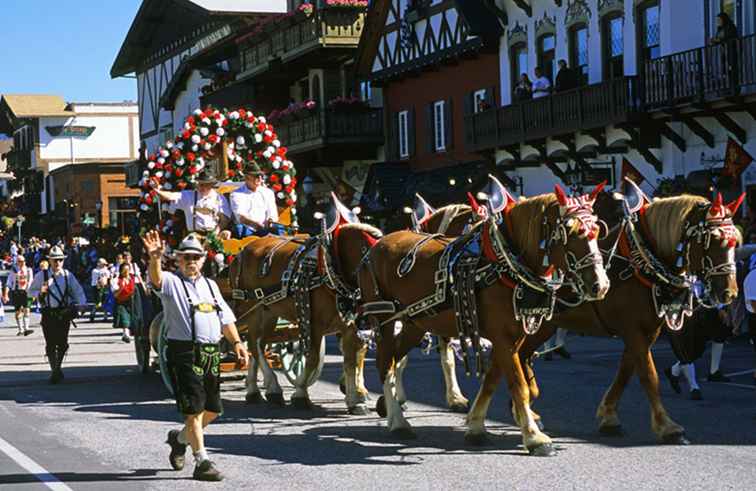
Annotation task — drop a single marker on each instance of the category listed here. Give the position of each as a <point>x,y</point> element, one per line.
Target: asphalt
<point>104,428</point>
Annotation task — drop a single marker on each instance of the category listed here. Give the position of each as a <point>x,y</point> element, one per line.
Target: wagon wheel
<point>293,361</point>
<point>162,349</point>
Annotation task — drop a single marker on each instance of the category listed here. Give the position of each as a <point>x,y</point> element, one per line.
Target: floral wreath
<point>248,139</point>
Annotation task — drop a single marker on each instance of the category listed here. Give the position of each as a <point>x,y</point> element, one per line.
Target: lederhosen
<point>195,367</point>
<point>19,296</point>
<point>56,321</point>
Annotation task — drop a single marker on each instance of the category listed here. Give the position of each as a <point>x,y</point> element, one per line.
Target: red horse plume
<point>597,190</point>
<point>473,202</point>
<point>716,206</point>
<point>733,206</point>
<point>561,196</point>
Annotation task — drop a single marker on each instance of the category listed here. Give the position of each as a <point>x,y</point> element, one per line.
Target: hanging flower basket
<point>348,105</point>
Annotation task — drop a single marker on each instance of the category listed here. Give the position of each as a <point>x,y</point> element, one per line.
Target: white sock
<point>561,337</point>
<point>675,369</point>
<point>19,324</point>
<point>126,332</point>
<point>716,356</point>
<point>26,322</point>
<point>690,376</point>
<point>200,456</point>
<point>182,436</point>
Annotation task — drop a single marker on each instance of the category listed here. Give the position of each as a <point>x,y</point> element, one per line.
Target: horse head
<point>709,241</point>
<point>570,243</point>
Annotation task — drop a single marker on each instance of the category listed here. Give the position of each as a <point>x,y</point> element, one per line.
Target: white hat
<point>102,261</point>
<point>56,253</point>
<point>190,245</point>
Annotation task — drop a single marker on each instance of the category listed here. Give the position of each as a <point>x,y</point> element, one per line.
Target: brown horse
<point>350,243</point>
<point>705,230</point>
<point>569,228</point>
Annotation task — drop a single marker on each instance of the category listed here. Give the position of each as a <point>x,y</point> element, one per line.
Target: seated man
<point>204,208</point>
<point>254,205</point>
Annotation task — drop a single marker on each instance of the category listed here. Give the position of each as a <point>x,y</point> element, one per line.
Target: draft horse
<point>665,246</point>
<point>311,282</point>
<point>502,282</point>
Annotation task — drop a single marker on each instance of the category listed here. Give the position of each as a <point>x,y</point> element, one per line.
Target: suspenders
<point>194,308</point>
<point>206,357</point>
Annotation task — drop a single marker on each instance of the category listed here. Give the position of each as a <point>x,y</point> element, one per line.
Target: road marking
<point>735,374</point>
<point>37,470</point>
<point>752,387</point>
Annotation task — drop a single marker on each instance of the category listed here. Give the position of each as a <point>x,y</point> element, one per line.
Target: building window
<point>649,31</point>
<point>613,44</point>
<point>439,126</point>
<point>480,101</point>
<point>519,61</point>
<point>366,91</point>
<point>403,135</point>
<point>579,52</point>
<point>546,46</point>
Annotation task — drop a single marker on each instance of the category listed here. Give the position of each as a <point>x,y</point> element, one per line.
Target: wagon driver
<point>205,209</point>
<point>196,317</point>
<point>253,205</point>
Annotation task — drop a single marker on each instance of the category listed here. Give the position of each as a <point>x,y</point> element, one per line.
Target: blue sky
<point>65,48</point>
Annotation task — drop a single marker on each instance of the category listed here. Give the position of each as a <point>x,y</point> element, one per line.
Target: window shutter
<point>411,132</point>
<point>449,124</point>
<point>469,106</point>
<point>430,126</point>
<point>392,137</point>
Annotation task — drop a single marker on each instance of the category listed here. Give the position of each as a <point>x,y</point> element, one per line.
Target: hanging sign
<point>84,131</point>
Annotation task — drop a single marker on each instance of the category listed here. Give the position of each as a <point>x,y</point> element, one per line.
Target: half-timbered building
<point>435,62</point>
<point>658,89</point>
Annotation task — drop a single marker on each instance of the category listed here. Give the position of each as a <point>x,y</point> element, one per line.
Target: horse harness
<point>671,291</point>
<point>470,263</point>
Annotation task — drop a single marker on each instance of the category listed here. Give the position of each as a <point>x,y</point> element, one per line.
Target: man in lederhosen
<point>196,317</point>
<point>61,297</point>
<point>17,291</point>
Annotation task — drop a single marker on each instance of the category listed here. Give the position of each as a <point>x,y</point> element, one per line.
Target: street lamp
<point>19,221</point>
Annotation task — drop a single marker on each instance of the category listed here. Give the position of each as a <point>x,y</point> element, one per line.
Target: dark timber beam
<point>642,149</point>
<point>672,136</point>
<point>751,109</point>
<point>699,130</point>
<point>525,6</point>
<point>557,171</point>
<point>733,127</point>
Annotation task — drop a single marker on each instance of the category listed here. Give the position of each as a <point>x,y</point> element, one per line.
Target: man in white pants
<point>17,291</point>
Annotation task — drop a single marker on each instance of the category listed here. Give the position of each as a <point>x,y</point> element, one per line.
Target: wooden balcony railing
<point>591,106</point>
<point>331,127</point>
<point>326,27</point>
<point>701,74</point>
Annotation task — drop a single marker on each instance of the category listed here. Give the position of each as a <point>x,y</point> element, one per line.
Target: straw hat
<point>56,253</point>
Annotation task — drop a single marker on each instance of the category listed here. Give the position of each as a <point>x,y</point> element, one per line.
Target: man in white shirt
<point>61,297</point>
<point>541,84</point>
<point>100,280</point>
<point>205,210</point>
<point>17,290</point>
<point>253,205</point>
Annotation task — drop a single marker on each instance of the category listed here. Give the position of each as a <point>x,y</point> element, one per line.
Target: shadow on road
<point>137,475</point>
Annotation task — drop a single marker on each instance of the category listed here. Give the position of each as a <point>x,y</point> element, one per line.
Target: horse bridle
<point>704,232</point>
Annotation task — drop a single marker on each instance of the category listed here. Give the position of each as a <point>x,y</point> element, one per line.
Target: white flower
<point>204,131</point>
<point>150,165</point>
<point>276,164</point>
<point>293,198</point>
<point>146,173</point>
<point>195,148</point>
<point>258,137</point>
<point>293,194</point>
<point>219,258</point>
<point>276,143</point>
<point>231,145</point>
<point>293,210</point>
<point>200,161</point>
<point>206,121</point>
<point>159,174</point>
<point>262,120</point>
<point>197,112</point>
<point>280,195</point>
<point>240,141</point>
<point>268,133</point>
<point>287,179</point>
<point>161,160</point>
<point>208,146</point>
<point>234,115</point>
<point>169,144</point>
<point>196,138</point>
<point>267,154</point>
<point>187,126</point>
<point>200,166</point>
<point>220,132</point>
<point>164,153</point>
<point>180,162</point>
<point>272,150</point>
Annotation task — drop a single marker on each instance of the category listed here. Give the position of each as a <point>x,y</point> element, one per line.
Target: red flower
<point>192,170</point>
<point>181,185</point>
<point>281,152</point>
<point>187,135</point>
<point>290,202</point>
<point>242,113</point>
<point>273,178</point>
<point>277,187</point>
<point>231,173</point>
<point>267,138</point>
<point>230,258</point>
<point>179,172</point>
<point>148,199</point>
<point>168,168</point>
<point>260,127</point>
<point>190,156</point>
<point>210,254</point>
<point>213,139</point>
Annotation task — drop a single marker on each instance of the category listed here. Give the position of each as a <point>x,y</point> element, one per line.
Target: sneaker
<point>674,381</point>
<point>178,450</point>
<point>206,471</point>
<point>125,338</point>
<point>28,331</point>
<point>20,333</point>
<point>562,351</point>
<point>718,376</point>
<point>696,395</point>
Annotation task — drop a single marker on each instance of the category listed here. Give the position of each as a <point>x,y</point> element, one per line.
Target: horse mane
<point>456,209</point>
<point>666,218</point>
<point>527,220</point>
<point>364,227</point>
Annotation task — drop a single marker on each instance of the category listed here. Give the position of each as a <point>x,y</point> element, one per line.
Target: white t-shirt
<point>541,87</point>
<point>97,273</point>
<point>205,215</point>
<point>258,205</point>
<point>749,290</point>
<point>20,279</point>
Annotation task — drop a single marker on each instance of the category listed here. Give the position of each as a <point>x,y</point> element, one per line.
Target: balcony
<point>20,159</point>
<point>700,75</point>
<point>355,132</point>
<point>299,34</point>
<point>592,106</point>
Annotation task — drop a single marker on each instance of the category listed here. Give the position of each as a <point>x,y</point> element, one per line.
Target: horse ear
<point>422,209</point>
<point>597,190</point>
<point>733,206</point>
<point>716,206</point>
<point>561,196</point>
<point>634,197</point>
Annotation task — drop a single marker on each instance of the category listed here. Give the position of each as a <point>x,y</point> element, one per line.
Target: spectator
<point>541,84</point>
<point>524,89</point>
<point>565,79</point>
<point>124,288</point>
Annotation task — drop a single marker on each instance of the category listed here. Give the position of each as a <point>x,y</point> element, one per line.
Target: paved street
<point>104,428</point>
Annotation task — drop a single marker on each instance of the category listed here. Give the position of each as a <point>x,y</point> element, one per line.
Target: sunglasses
<point>192,257</point>
<point>56,260</point>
